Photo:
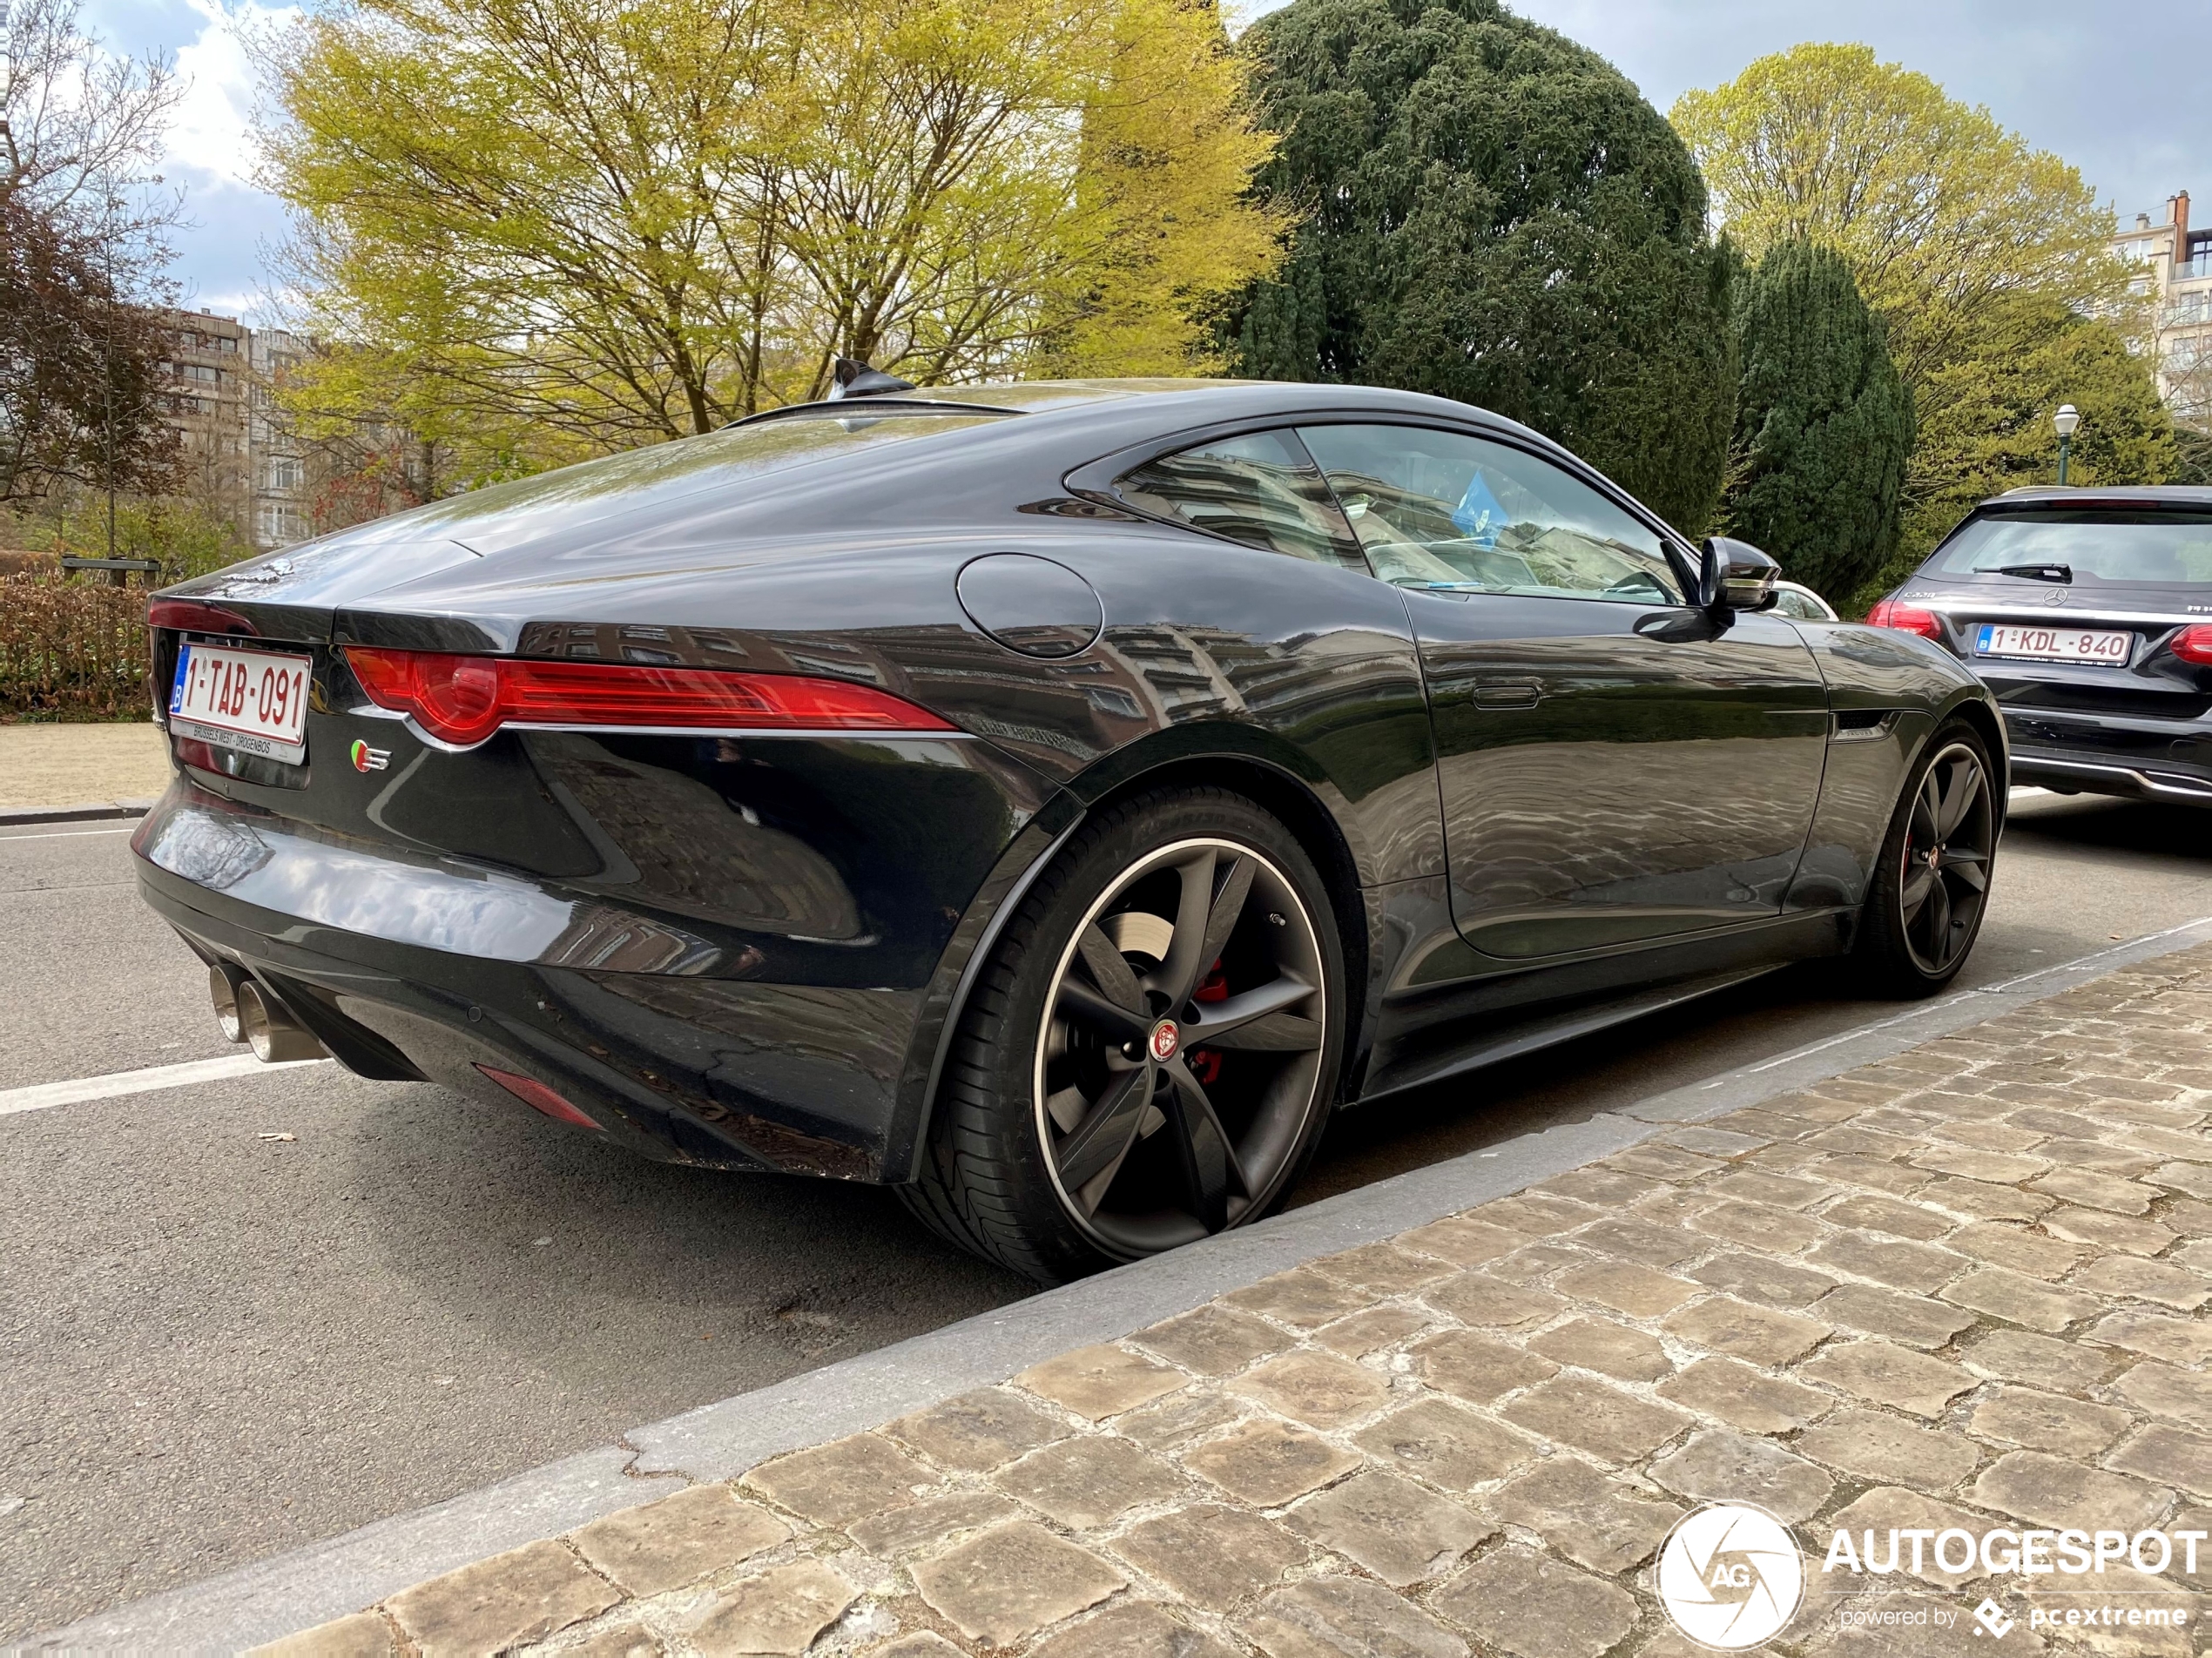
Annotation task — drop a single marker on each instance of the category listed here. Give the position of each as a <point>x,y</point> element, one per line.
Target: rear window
<point>2115,549</point>
<point>662,471</point>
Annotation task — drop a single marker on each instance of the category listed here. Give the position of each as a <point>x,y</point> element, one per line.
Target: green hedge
<point>72,650</point>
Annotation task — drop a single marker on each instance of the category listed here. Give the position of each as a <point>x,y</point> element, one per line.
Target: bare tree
<point>83,243</point>
<point>78,126</point>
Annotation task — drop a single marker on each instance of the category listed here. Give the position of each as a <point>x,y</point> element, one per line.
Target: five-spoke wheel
<point>1150,1054</point>
<point>1949,835</point>
<point>1181,1046</point>
<point>1932,879</point>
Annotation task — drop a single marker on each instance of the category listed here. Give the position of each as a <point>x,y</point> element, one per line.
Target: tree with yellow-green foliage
<point>1986,260</point>
<point>1992,411</point>
<point>1937,207</point>
<point>544,228</point>
<point>1166,149</point>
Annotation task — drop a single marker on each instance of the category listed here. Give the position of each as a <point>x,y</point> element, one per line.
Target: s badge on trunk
<point>365,759</point>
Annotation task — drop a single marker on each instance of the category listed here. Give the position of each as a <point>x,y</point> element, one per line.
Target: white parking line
<point>116,1084</point>
<point>70,834</point>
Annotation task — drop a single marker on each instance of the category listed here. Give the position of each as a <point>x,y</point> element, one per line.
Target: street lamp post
<point>2065,420</point>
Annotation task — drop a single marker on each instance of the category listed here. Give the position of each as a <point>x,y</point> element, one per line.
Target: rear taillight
<point>192,617</point>
<point>2193,644</point>
<point>463,700</point>
<point>1905,619</point>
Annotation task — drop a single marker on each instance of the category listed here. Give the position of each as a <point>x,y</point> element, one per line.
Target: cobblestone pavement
<point>1958,1288</point>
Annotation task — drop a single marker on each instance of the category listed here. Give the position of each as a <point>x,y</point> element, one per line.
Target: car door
<point>1616,766</point>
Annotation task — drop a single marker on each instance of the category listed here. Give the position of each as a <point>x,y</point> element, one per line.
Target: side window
<point>1442,510</point>
<point>1262,488</point>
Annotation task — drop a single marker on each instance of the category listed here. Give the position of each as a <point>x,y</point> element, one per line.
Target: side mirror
<point>1737,576</point>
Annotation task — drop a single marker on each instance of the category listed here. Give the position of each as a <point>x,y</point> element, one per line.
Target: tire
<point>1923,914</point>
<point>1151,1050</point>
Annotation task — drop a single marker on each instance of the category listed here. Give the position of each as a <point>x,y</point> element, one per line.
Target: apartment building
<point>2175,263</point>
<point>238,457</point>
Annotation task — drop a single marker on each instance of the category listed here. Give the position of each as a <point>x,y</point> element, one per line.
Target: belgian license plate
<point>2053,644</point>
<point>253,700</point>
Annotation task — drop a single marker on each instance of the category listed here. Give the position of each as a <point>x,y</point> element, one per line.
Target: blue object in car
<point>1479,516</point>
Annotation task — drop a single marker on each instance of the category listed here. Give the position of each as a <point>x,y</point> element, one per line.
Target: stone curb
<point>12,816</point>
<point>293,1592</point>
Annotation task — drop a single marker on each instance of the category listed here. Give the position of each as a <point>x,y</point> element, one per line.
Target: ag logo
<point>365,759</point>
<point>1730,1576</point>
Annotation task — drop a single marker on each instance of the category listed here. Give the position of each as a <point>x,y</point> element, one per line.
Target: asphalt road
<point>215,1347</point>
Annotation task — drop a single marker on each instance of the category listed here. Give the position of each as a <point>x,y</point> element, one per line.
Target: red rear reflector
<point>539,1098</point>
<point>463,700</point>
<point>2193,644</point>
<point>190,616</point>
<point>1890,613</point>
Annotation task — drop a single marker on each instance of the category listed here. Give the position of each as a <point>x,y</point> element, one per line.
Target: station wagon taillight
<point>1905,619</point>
<point>2193,644</point>
<point>463,700</point>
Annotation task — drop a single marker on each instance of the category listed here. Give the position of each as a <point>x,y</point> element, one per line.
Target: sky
<point>2110,86</point>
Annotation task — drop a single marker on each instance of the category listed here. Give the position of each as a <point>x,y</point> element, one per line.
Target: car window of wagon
<point>1445,511</point>
<point>1261,489</point>
<point>2122,548</point>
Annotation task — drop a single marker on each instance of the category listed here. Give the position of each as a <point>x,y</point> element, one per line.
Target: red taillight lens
<point>463,700</point>
<point>2193,644</point>
<point>192,617</point>
<point>539,1097</point>
<point>1890,613</point>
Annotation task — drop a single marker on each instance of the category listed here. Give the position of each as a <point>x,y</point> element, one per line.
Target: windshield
<point>2116,548</point>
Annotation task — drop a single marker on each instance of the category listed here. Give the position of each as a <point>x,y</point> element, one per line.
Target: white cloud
<point>212,131</point>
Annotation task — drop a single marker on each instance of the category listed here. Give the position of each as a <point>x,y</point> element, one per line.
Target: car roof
<point>1198,401</point>
<point>2132,495</point>
<point>1019,444</point>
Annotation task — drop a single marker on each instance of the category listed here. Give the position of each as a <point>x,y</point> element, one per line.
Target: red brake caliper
<point>1204,1062</point>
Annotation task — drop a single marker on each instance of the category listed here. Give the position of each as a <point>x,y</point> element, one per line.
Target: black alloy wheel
<point>1196,974</point>
<point>1944,878</point>
<point>1931,881</point>
<point>1150,1054</point>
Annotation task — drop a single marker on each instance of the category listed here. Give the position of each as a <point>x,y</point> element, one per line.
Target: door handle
<point>1507,696</point>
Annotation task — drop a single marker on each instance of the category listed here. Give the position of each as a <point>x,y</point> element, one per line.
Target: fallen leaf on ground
<point>277,1137</point>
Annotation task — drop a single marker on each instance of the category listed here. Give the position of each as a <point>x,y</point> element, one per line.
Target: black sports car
<point>1053,799</point>
<point>2089,613</point>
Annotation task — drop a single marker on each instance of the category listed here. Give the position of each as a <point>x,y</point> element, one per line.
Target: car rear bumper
<point>2139,759</point>
<point>2089,777</point>
<point>405,966</point>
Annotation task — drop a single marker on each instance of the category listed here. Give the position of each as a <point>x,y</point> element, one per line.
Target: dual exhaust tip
<point>251,1015</point>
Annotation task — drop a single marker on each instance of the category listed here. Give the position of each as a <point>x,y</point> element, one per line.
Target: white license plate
<point>2053,644</point>
<point>253,700</point>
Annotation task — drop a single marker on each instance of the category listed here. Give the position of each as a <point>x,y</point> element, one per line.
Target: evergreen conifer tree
<point>1823,424</point>
<point>1494,213</point>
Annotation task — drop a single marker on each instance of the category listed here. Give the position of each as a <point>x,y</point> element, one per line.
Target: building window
<point>285,472</point>
<point>280,525</point>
